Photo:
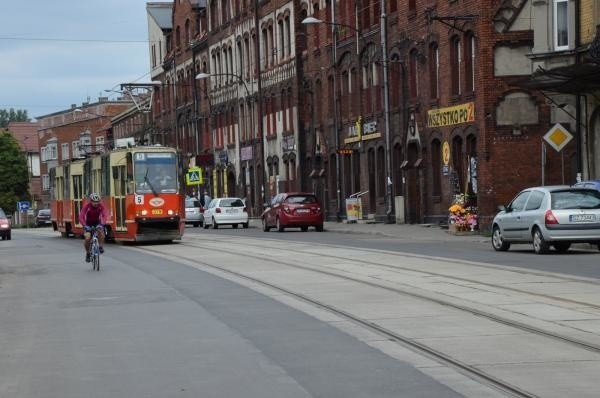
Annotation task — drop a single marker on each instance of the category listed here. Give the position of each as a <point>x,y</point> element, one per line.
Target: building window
<point>64,151</point>
<point>436,168</point>
<point>52,151</point>
<point>469,62</point>
<point>75,149</point>
<point>413,71</point>
<point>456,63</point>
<point>561,24</point>
<point>46,182</point>
<point>434,70</point>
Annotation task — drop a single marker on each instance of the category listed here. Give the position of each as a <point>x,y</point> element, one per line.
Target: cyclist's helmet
<point>94,197</point>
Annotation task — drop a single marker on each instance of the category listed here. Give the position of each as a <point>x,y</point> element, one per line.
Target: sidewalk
<point>421,232</point>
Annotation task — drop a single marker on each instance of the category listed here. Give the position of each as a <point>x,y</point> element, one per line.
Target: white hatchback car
<point>549,216</point>
<point>226,211</point>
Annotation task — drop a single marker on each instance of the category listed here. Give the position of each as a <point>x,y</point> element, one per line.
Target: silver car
<point>549,216</point>
<point>194,212</point>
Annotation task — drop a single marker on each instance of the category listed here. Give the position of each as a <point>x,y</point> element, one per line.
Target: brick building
<point>447,108</point>
<point>26,135</point>
<point>75,133</point>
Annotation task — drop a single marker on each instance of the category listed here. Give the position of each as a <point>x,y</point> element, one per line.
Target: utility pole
<point>259,117</point>
<point>386,114</point>
<point>338,185</point>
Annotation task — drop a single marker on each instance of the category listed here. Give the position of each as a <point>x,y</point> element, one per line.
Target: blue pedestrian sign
<point>23,206</point>
<point>194,176</point>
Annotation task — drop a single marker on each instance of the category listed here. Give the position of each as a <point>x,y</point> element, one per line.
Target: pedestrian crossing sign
<point>194,176</point>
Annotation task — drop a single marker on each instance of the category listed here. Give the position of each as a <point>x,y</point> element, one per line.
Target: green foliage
<point>14,176</point>
<point>7,116</point>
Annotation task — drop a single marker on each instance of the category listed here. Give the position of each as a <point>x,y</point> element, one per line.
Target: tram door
<point>119,175</point>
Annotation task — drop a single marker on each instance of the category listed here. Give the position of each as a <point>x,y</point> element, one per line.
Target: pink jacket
<point>83,215</point>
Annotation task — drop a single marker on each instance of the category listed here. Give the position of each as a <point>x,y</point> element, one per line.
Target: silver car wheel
<point>498,242</point>
<point>540,246</point>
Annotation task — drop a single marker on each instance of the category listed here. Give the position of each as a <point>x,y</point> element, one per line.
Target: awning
<point>573,79</point>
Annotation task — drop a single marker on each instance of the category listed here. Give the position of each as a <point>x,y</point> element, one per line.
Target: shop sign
<point>223,157</point>
<point>205,160</point>
<point>247,153</point>
<point>288,143</point>
<point>463,113</point>
<point>446,153</point>
<point>358,132</point>
<point>558,137</point>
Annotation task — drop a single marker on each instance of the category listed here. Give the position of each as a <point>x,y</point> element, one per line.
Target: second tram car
<point>141,187</point>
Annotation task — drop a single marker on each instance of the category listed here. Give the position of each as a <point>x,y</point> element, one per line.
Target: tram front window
<point>155,172</point>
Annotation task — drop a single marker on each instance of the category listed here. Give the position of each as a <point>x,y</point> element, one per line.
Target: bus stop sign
<point>23,206</point>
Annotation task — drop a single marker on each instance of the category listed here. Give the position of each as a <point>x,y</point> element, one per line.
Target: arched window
<point>434,70</point>
<point>413,73</point>
<point>469,62</point>
<point>458,162</point>
<point>381,175</point>
<point>436,167</point>
<point>188,32</point>
<point>455,65</point>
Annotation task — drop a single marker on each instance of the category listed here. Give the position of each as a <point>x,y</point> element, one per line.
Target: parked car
<point>594,184</point>
<point>555,216</point>
<point>4,226</point>
<point>226,211</point>
<point>194,212</point>
<point>43,218</point>
<point>293,210</point>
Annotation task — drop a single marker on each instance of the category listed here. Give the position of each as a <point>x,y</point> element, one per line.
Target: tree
<point>7,116</point>
<point>14,181</point>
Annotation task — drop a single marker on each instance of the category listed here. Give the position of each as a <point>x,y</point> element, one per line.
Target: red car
<point>293,209</point>
<point>4,226</point>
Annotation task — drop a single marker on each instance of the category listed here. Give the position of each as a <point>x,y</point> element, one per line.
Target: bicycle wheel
<point>96,261</point>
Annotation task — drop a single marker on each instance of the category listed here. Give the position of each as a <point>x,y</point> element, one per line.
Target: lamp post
<point>334,32</point>
<point>239,78</point>
<point>386,104</point>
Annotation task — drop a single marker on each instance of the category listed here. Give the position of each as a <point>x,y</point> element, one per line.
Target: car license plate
<point>230,211</point>
<point>303,211</point>
<point>582,218</point>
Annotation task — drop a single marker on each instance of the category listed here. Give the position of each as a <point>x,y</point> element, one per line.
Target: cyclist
<point>93,215</point>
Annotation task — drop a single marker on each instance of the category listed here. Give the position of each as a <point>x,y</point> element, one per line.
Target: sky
<point>54,53</point>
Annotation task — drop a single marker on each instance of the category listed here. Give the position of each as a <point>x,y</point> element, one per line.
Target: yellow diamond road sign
<point>558,137</point>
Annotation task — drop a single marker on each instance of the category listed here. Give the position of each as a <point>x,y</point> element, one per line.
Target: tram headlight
<point>170,212</point>
<point>144,212</point>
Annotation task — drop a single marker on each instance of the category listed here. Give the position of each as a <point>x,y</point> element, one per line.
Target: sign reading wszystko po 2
<point>463,113</point>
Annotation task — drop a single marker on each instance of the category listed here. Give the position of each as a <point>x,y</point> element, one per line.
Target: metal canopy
<point>572,79</point>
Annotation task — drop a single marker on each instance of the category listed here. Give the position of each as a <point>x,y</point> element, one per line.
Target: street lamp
<point>203,75</point>
<point>386,105</point>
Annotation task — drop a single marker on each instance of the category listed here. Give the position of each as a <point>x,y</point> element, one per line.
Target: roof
<point>26,134</point>
<point>161,13</point>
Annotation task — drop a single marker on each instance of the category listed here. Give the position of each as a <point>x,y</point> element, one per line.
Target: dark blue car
<point>595,184</point>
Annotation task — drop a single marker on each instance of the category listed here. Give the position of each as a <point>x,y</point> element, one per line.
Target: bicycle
<point>95,249</point>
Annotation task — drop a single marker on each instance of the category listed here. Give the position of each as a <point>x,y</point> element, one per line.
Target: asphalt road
<point>148,327</point>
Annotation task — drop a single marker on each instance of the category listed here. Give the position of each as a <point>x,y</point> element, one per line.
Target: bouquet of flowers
<point>457,215</point>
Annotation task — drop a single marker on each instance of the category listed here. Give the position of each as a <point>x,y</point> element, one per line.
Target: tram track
<point>461,366</point>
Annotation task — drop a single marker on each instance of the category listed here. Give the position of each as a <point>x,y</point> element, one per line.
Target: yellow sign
<point>449,116</point>
<point>194,176</point>
<point>446,153</point>
<point>558,137</point>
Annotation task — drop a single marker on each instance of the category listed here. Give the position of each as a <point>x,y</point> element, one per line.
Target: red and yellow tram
<point>141,187</point>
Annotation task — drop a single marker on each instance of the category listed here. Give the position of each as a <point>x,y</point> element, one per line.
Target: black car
<point>43,218</point>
